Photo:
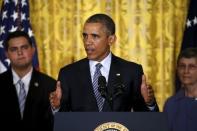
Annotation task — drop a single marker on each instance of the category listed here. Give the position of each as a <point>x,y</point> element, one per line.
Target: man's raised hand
<point>147,91</point>
<point>55,96</point>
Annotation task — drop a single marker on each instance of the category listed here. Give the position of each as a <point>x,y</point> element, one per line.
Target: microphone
<point>119,86</point>
<point>102,86</point>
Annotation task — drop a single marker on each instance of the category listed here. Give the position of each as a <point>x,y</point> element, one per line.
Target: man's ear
<point>6,53</point>
<point>33,49</point>
<point>112,39</point>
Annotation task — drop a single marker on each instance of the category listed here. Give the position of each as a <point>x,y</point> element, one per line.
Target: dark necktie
<point>22,96</point>
<point>99,99</point>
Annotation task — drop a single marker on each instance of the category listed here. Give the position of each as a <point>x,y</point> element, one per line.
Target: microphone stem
<point>110,101</point>
<point>111,104</point>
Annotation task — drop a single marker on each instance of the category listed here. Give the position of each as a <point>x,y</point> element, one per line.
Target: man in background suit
<point>24,91</point>
<point>126,87</point>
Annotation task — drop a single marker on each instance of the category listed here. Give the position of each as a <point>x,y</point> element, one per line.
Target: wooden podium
<point>110,121</point>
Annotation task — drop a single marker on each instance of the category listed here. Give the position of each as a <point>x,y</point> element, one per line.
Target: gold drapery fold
<point>149,32</point>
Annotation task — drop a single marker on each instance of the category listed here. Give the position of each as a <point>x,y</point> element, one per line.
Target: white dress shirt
<point>106,63</point>
<point>26,80</point>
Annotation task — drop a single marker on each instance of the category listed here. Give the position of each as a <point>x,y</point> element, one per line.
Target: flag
<point>190,33</point>
<point>14,16</point>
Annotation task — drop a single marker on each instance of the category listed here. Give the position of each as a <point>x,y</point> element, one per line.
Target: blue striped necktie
<point>99,98</point>
<point>21,97</point>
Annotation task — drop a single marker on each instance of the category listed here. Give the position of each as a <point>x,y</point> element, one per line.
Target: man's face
<point>96,41</point>
<point>20,52</point>
<point>187,71</point>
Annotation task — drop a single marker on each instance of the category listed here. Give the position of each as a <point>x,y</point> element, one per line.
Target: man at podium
<point>102,82</point>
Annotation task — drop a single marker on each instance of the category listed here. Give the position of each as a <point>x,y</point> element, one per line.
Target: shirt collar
<point>106,62</point>
<point>25,79</point>
<point>181,95</point>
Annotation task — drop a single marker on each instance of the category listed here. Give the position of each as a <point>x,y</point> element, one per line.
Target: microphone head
<point>102,86</point>
<point>101,81</point>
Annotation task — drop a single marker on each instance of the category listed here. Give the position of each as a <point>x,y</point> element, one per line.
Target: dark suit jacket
<point>37,112</point>
<point>78,94</point>
<point>181,112</point>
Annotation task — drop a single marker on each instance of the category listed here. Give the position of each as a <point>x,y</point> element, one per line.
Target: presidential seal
<point>111,126</point>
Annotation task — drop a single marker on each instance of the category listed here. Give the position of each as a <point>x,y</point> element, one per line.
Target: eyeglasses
<point>189,67</point>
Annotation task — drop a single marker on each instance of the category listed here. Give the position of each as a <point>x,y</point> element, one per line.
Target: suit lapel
<point>12,93</point>
<point>85,79</point>
<point>114,70</point>
<point>34,83</point>
<point>86,82</point>
<point>33,91</point>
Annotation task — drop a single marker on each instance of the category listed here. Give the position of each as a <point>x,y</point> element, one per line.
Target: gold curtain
<point>149,32</point>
